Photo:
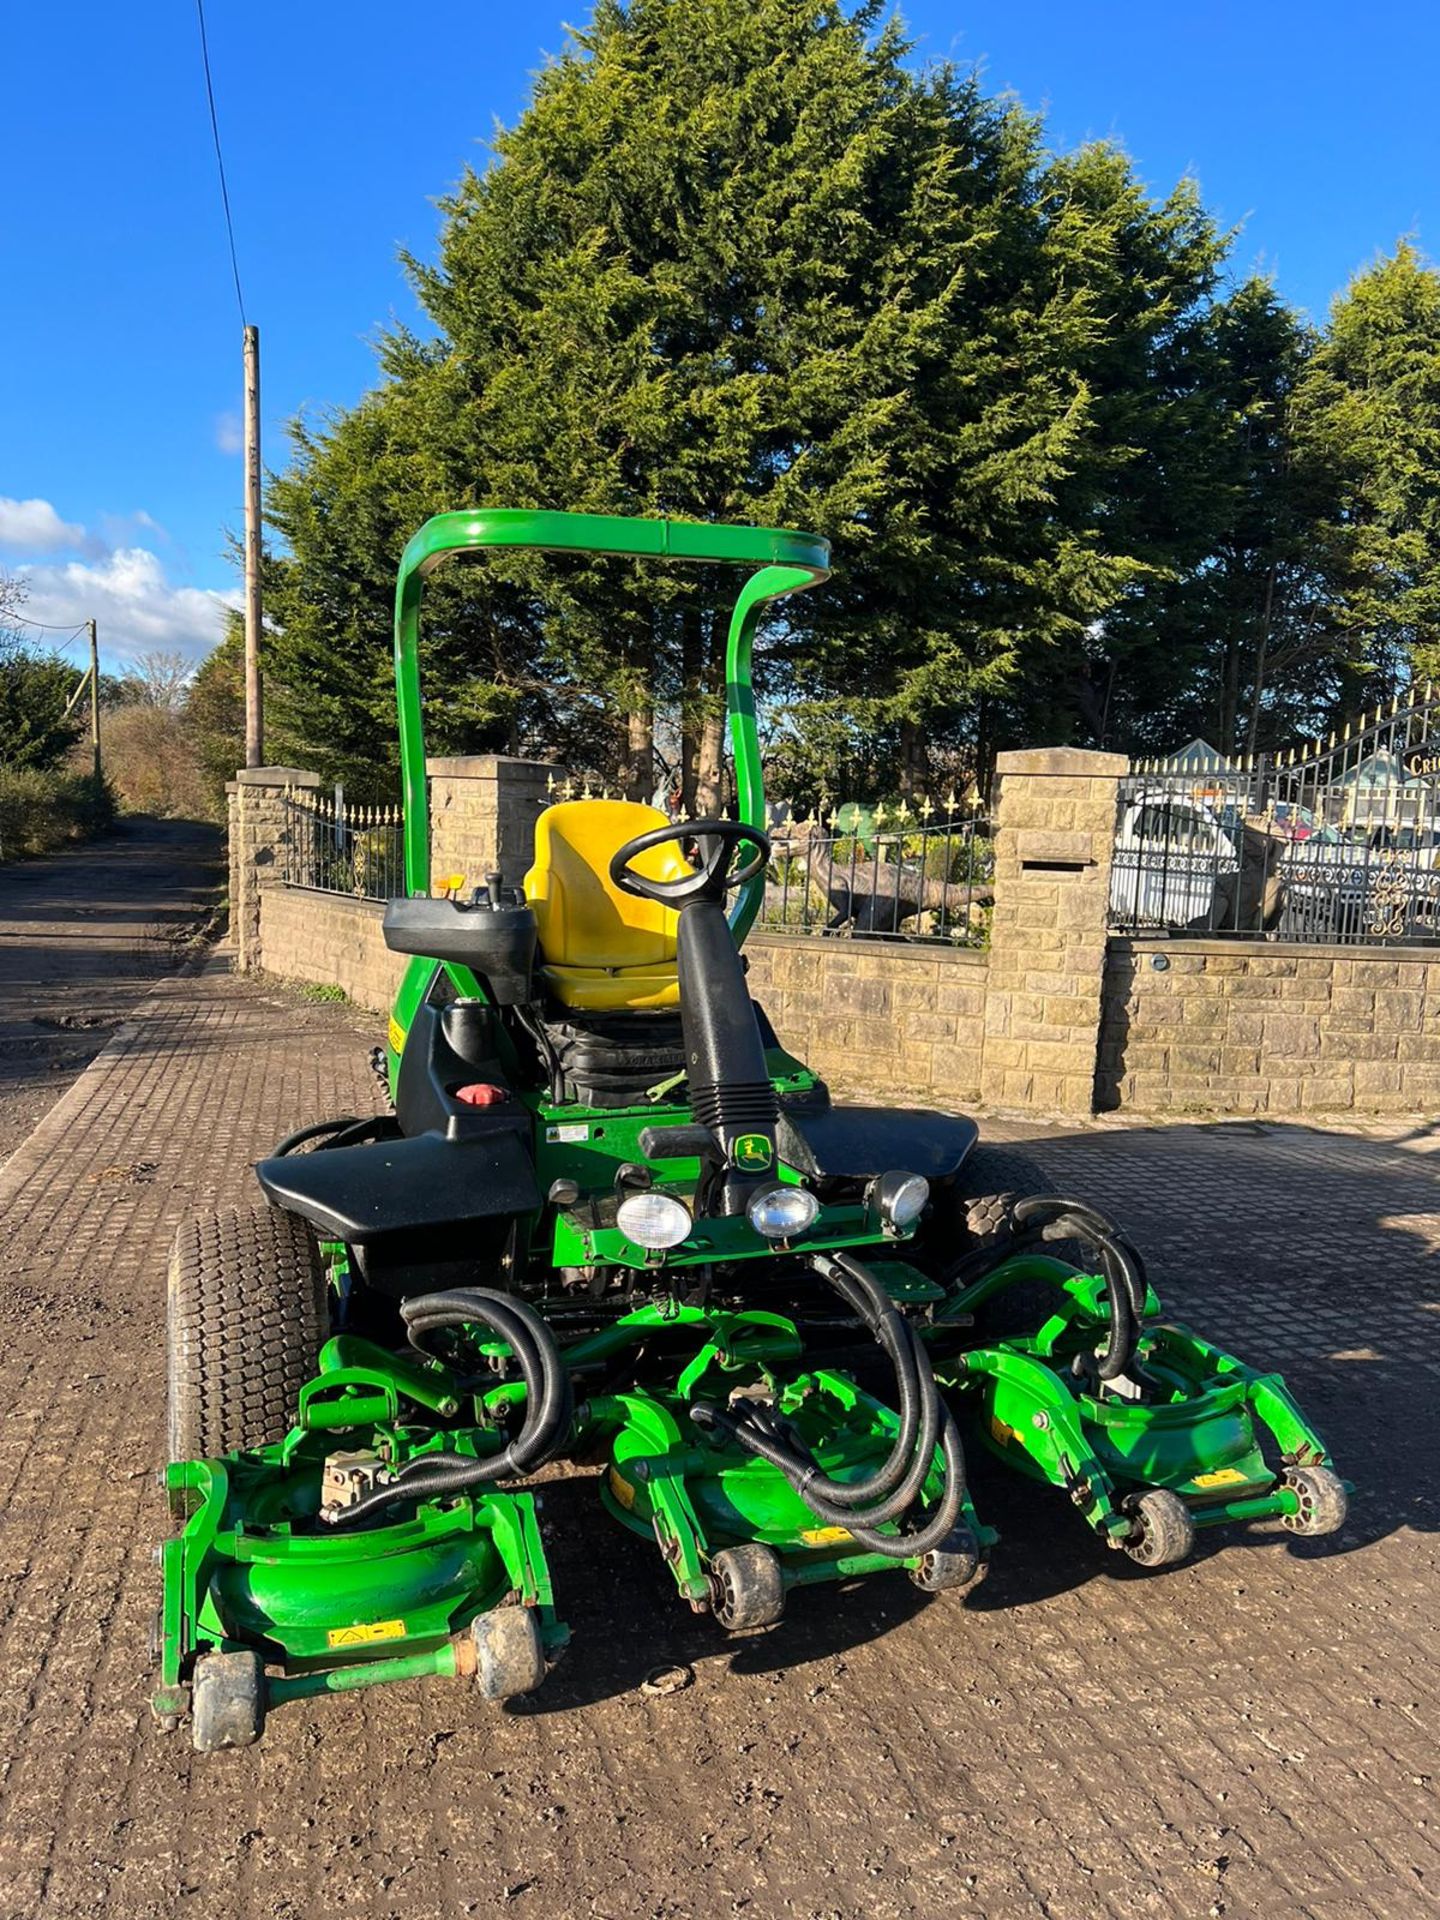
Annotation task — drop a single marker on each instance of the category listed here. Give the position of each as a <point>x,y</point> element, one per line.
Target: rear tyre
<point>227,1701</point>
<point>1163,1533</point>
<point>954,1564</point>
<point>747,1588</point>
<point>1324,1502</point>
<point>509,1654</point>
<point>246,1314</point>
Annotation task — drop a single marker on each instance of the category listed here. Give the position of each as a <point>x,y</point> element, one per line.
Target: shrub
<point>41,811</point>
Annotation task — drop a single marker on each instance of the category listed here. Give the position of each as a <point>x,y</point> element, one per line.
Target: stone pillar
<point>259,827</point>
<point>1054,839</point>
<point>483,809</point>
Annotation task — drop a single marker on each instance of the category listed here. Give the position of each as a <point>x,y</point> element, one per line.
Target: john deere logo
<point>751,1153</point>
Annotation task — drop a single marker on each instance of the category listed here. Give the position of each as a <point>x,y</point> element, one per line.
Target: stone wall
<point>331,940</point>
<point>259,827</point>
<point>875,1015</point>
<point>1054,838</point>
<point>1055,1019</point>
<point>1245,1026</point>
<point>483,809</point>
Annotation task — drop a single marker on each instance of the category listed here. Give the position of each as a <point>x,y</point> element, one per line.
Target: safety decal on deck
<point>622,1489</point>
<point>569,1135</point>
<point>396,1036</point>
<point>825,1536</point>
<point>365,1636</point>
<point>1000,1431</point>
<point>1220,1477</point>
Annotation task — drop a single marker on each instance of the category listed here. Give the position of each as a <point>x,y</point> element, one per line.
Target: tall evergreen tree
<point>736,261</point>
<point>1369,410</point>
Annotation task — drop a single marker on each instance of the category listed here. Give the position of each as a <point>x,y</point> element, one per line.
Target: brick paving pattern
<point>1251,1734</point>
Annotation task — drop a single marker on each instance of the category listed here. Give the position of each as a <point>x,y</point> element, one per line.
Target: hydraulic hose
<point>1052,1217</point>
<point>321,1130</point>
<point>549,1400</point>
<point>863,1506</point>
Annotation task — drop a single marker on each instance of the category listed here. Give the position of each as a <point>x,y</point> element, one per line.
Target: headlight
<point>653,1220</point>
<point>901,1199</point>
<point>781,1212</point>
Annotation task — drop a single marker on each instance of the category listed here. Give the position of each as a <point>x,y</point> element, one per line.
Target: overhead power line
<point>44,626</point>
<point>220,160</point>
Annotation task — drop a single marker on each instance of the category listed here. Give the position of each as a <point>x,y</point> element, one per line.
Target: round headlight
<point>781,1212</point>
<point>901,1198</point>
<point>653,1220</point>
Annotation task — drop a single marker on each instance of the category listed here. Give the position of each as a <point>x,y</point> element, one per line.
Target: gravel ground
<point>1250,1734</point>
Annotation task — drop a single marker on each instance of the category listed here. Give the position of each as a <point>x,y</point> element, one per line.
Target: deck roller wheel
<point>747,1587</point>
<point>227,1701</point>
<point>1324,1502</point>
<point>1163,1533</point>
<point>509,1654</point>
<point>951,1565</point>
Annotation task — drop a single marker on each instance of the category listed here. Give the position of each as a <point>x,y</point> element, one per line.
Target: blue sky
<point>1310,123</point>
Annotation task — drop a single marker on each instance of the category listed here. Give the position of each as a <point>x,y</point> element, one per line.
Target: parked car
<point>1183,863</point>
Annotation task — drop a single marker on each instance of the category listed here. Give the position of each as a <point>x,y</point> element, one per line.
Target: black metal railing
<point>337,848</point>
<point>1339,844</point>
<point>906,873</point>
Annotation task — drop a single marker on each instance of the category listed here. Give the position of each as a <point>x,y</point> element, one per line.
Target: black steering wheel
<point>715,840</point>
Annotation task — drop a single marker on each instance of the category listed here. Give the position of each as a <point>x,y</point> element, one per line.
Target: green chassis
<point>1201,1440</point>
<point>332,1610</point>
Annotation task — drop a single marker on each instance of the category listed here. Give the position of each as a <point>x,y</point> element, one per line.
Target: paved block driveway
<point>1251,1734</point>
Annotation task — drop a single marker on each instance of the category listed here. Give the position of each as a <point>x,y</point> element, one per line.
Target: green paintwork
<point>248,1569</point>
<point>1200,1432</point>
<point>788,562</point>
<point>695,1495</point>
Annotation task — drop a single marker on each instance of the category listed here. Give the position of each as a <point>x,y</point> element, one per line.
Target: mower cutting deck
<point>610,1217</point>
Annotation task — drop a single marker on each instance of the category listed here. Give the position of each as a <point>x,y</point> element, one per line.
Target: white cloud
<point>33,526</point>
<point>229,433</point>
<point>136,607</point>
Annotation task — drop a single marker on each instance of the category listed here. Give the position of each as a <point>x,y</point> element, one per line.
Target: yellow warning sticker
<point>1000,1431</point>
<point>1220,1477</point>
<point>367,1635</point>
<point>397,1035</point>
<point>622,1489</point>
<point>825,1536</point>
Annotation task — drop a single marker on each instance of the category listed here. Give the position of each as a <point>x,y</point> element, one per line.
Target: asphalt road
<point>84,935</point>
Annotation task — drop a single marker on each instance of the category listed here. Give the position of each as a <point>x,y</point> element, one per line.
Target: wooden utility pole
<point>254,698</point>
<point>94,696</point>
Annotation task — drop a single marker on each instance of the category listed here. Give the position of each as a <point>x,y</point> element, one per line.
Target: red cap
<point>481,1094</point>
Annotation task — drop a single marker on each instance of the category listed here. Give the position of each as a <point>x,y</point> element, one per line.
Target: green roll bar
<point>787,562</point>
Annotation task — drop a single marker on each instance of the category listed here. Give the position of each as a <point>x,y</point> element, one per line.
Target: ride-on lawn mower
<point>609,1216</point>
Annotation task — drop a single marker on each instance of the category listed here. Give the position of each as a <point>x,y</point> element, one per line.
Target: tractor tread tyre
<point>509,1654</point>
<point>1164,1533</point>
<point>246,1314</point>
<point>227,1701</point>
<point>747,1587</point>
<point>1324,1502</point>
<point>987,1218</point>
<point>1001,1169</point>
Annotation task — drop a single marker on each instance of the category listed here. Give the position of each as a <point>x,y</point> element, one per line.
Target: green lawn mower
<point>610,1219</point>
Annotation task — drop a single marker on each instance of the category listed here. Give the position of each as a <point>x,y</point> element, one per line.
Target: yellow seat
<point>602,950</point>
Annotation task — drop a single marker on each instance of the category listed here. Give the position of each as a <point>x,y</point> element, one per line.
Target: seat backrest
<point>584,919</point>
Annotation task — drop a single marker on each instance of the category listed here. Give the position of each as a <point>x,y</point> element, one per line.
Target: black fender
<point>850,1143</point>
<point>360,1194</point>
